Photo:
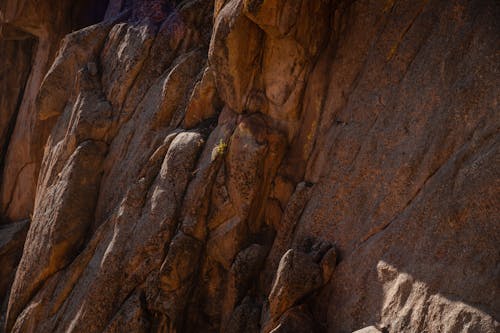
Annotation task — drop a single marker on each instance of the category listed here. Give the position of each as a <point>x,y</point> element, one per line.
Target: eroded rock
<point>297,276</point>
<point>234,53</point>
<point>124,53</point>
<point>62,231</point>
<point>12,237</point>
<point>250,165</point>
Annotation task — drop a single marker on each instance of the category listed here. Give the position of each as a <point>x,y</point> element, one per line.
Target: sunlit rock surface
<point>249,166</point>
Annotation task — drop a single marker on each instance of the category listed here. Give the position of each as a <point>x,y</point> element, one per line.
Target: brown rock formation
<point>249,166</point>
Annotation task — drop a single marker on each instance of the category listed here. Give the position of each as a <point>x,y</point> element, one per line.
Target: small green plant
<point>219,149</point>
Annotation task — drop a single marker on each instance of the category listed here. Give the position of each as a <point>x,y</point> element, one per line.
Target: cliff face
<point>249,166</point>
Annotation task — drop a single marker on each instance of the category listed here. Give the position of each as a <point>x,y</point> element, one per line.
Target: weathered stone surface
<point>301,272</point>
<point>368,329</point>
<point>296,277</point>
<point>249,166</point>
<point>62,231</point>
<point>15,67</point>
<point>295,320</point>
<point>123,55</point>
<point>245,318</point>
<point>176,88</point>
<point>203,103</point>
<point>45,24</point>
<point>234,54</point>
<point>131,317</point>
<point>12,238</point>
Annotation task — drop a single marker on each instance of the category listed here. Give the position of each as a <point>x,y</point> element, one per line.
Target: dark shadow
<point>86,13</point>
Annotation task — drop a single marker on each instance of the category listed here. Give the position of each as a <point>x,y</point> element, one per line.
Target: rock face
<point>249,166</point>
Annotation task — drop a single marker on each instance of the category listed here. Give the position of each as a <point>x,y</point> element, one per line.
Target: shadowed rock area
<point>249,166</point>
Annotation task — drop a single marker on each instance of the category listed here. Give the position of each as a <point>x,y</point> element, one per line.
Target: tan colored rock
<point>195,207</point>
<point>295,320</point>
<point>178,265</point>
<point>281,74</point>
<point>131,317</point>
<point>296,277</point>
<point>368,329</point>
<point>176,89</point>
<point>250,165</point>
<point>287,224</point>
<point>63,230</point>
<point>328,264</point>
<point>124,53</point>
<point>203,103</point>
<point>234,54</point>
<point>274,17</point>
<point>245,268</point>
<point>226,241</point>
<point>60,83</point>
<point>244,167</point>
<point>46,23</point>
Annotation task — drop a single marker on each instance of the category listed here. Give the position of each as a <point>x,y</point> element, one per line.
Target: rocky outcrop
<point>249,166</point>
<point>35,28</point>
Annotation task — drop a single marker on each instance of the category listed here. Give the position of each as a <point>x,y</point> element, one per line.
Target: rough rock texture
<point>249,166</point>
<point>12,238</point>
